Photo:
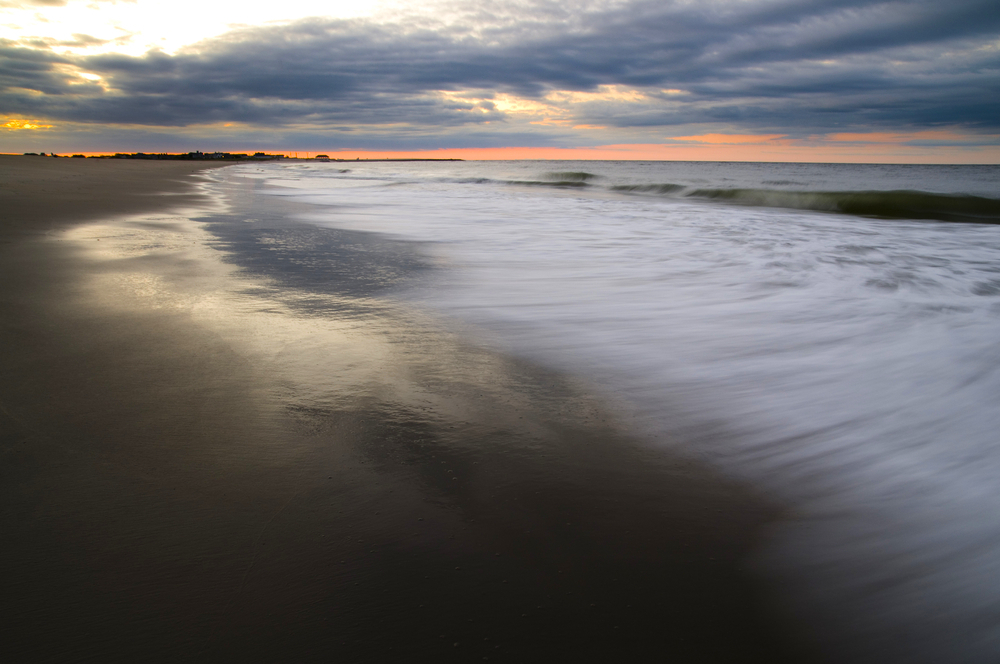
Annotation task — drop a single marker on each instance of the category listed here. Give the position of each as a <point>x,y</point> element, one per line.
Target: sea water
<point>828,333</point>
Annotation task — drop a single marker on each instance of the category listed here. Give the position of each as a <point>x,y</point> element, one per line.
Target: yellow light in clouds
<point>16,124</point>
<point>138,26</point>
<point>509,104</point>
<point>554,109</point>
<point>603,93</point>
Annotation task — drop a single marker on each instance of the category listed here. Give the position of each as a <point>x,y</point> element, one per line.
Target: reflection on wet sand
<point>232,448</point>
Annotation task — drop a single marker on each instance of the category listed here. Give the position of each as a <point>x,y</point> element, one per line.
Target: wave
<point>549,183</point>
<point>571,176</point>
<point>887,204</point>
<point>900,204</point>
<point>649,188</point>
<point>555,182</point>
<point>558,179</point>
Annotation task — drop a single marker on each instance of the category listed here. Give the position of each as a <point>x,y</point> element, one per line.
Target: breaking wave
<point>570,176</point>
<point>549,183</point>
<point>900,204</point>
<point>649,188</point>
<point>885,204</point>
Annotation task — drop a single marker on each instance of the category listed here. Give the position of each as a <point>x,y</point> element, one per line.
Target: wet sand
<point>206,459</point>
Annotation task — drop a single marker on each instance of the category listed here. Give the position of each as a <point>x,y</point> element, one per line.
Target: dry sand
<point>192,470</point>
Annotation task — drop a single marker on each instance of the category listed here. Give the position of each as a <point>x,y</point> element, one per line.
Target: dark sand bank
<point>38,194</point>
<point>229,462</point>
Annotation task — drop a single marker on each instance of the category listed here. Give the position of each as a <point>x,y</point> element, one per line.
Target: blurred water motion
<point>848,365</point>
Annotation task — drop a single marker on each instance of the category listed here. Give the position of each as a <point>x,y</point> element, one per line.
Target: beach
<point>204,462</point>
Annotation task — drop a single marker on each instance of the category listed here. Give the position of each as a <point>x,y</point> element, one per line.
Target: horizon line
<point>745,152</point>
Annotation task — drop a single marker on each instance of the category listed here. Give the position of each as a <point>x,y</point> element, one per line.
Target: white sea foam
<point>849,366</point>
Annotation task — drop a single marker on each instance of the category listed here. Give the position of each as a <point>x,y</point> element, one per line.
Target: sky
<point>746,80</point>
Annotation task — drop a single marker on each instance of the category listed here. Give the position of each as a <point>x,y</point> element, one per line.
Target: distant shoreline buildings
<point>201,156</point>
<point>184,156</point>
<point>224,156</point>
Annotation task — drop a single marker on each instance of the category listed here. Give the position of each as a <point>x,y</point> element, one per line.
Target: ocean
<point>827,333</point>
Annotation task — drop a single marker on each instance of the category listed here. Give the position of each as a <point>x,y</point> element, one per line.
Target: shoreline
<point>40,195</point>
<point>202,462</point>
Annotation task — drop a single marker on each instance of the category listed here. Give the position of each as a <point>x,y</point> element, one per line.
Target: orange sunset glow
<point>476,82</point>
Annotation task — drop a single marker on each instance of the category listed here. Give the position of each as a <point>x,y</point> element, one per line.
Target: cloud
<point>539,69</point>
<point>26,4</point>
<point>79,40</point>
<point>33,3</point>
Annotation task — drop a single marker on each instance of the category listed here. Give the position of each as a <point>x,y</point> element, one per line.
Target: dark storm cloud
<point>791,66</point>
<point>29,71</point>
